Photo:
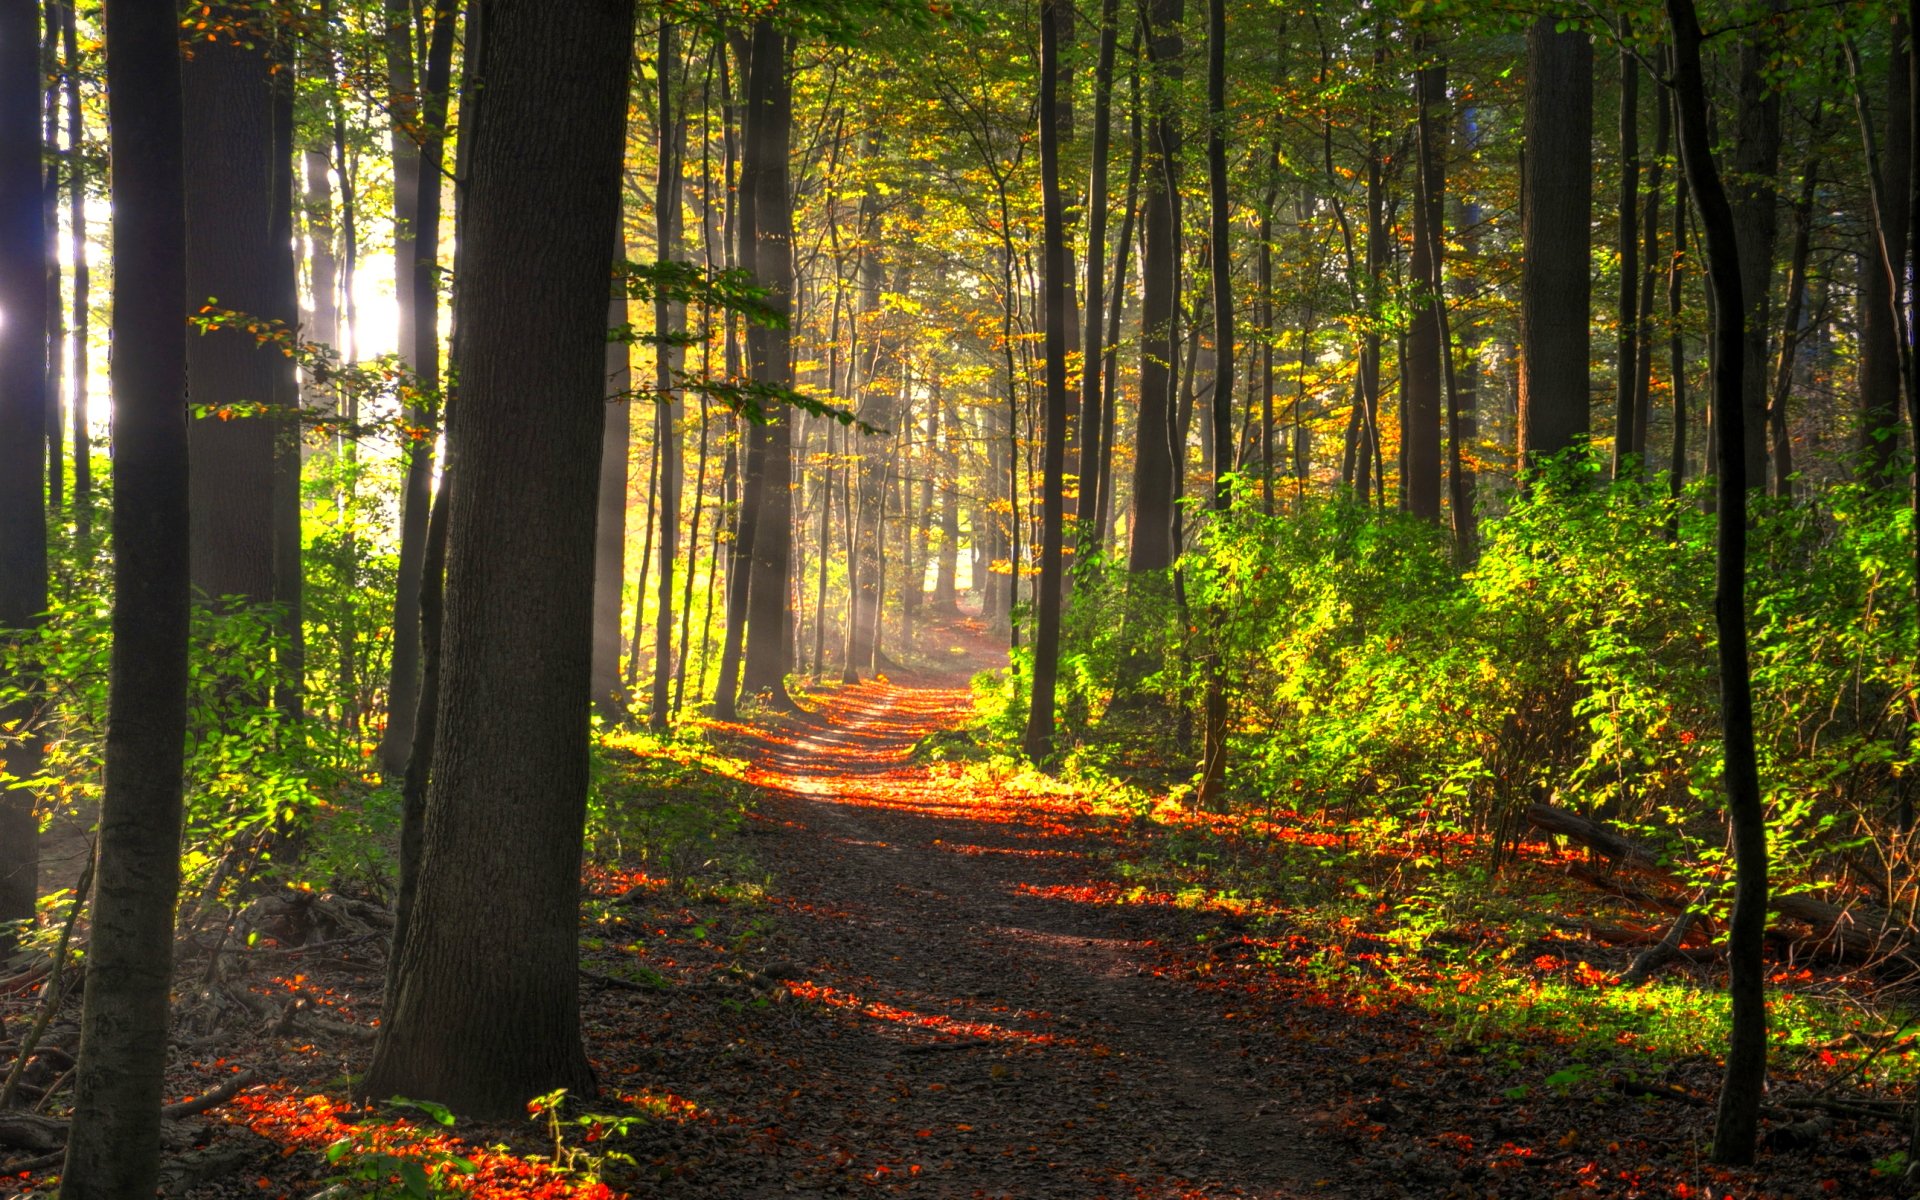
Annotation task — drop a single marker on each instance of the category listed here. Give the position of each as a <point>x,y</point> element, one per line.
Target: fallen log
<point>25,1131</point>
<point>1856,929</point>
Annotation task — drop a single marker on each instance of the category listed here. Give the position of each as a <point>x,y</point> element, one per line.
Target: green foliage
<point>396,1160</point>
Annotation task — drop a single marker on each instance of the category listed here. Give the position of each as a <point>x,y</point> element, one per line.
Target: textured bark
<point>485,1011</point>
<point>23,512</point>
<point>230,264</point>
<point>113,1151</point>
<point>417,174</point>
<point>1556,189</point>
<point>1038,741</point>
<point>1736,1124</point>
<point>769,597</point>
<point>1213,765</point>
<point>1421,374</point>
<point>1155,463</point>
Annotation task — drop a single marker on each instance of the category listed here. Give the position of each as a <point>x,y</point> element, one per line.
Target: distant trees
<point>494,930</point>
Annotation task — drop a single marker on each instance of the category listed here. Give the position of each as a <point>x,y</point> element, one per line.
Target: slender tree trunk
<point>82,280</point>
<point>417,174</point>
<point>1649,274</point>
<point>497,947</point>
<point>1422,373</point>
<point>1627,436</point>
<point>746,512</point>
<point>1213,767</point>
<point>1755,171</point>
<point>1677,343</point>
<point>1778,425</point>
<point>610,693</point>
<point>1889,168</point>
<point>1038,741</point>
<point>668,317</point>
<point>23,403</point>
<point>113,1150</point>
<point>1087,531</point>
<point>1736,1125</point>
<point>53,361</point>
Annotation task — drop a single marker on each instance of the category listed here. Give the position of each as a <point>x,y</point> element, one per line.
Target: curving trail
<point>960,1021</point>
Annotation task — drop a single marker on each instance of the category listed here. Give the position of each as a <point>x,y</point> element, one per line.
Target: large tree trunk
<point>769,598</point>
<point>1156,462</point>
<point>1737,1122</point>
<point>113,1151</point>
<point>417,173</point>
<point>230,260</point>
<point>23,401</point>
<point>1556,189</point>
<point>1038,741</point>
<point>493,941</point>
<point>1421,374</point>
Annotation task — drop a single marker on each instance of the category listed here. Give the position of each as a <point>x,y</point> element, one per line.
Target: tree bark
<point>417,174</point>
<point>1213,765</point>
<point>113,1150</point>
<point>1038,742</point>
<point>1156,457</point>
<point>486,1008</point>
<point>1086,506</point>
<point>23,401</point>
<point>1756,167</point>
<point>1627,436</point>
<point>1736,1123</point>
<point>609,695</point>
<point>1421,376</point>
<point>82,280</point>
<point>1879,360</point>
<point>1556,191</point>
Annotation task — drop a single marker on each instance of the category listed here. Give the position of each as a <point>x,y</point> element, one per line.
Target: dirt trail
<point>1000,1035</point>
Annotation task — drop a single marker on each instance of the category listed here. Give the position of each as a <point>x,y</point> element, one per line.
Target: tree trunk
<point>1038,742</point>
<point>769,599</point>
<point>1627,435</point>
<point>1649,275</point>
<point>1737,1122</point>
<point>1755,168</point>
<point>23,402</point>
<point>1156,457</point>
<point>1879,361</point>
<point>230,256</point>
<point>113,1150</point>
<point>493,941</point>
<point>77,233</point>
<point>416,255</point>
<point>1213,766</point>
<point>668,315</point>
<point>1556,190</point>
<point>1421,373</point>
<point>1085,508</point>
<point>1778,426</point>
<point>608,693</point>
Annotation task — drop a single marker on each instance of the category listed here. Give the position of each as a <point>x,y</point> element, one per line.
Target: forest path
<point>987,1031</point>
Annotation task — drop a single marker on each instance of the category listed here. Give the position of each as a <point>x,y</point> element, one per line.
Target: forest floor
<point>894,975</point>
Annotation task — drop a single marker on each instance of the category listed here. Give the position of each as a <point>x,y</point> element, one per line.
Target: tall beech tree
<point>1737,1117</point>
<point>1156,461</point>
<point>1556,206</point>
<point>113,1149</point>
<point>1054,277</point>
<point>23,403</point>
<point>493,944</point>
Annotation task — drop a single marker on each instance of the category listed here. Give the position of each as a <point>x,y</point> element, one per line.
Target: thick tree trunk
<point>417,174</point>
<point>493,941</point>
<point>1556,189</point>
<point>23,402</point>
<point>1737,1122</point>
<point>1422,374</point>
<point>1038,742</point>
<point>230,262</point>
<point>769,598</point>
<point>113,1151</point>
<point>1156,456</point>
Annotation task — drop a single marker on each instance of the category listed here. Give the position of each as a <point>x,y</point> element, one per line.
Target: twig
<point>51,992</point>
<point>212,1098</point>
